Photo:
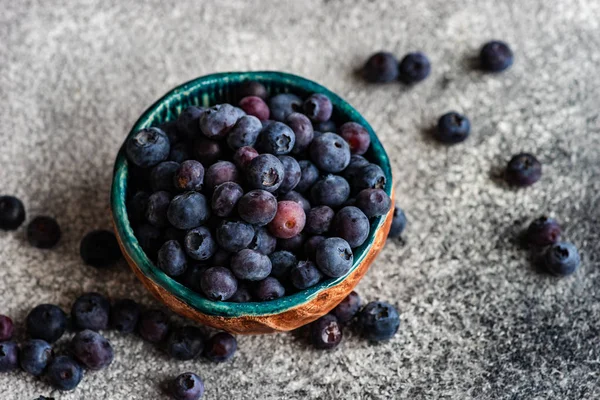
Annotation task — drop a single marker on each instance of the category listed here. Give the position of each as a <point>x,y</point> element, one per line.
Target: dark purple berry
<point>6,328</point>
<point>334,257</point>
<point>64,373</point>
<point>217,121</point>
<point>398,223</point>
<point>414,68</point>
<point>90,311</point>
<point>309,174</point>
<point>496,56</point>
<point>561,259</point>
<point>189,176</point>
<point>242,294</point>
<point>218,284</point>
<point>281,263</point>
<point>289,220</point>
<point>180,152</point>
<point>543,231</point>
<point>136,207</point>
<point>245,132</point>
<point>453,128</point>
<point>330,152</point>
<point>100,249</point>
<point>327,126</point>
<point>47,322</point>
<point>220,347</point>
<point>310,246</point>
<point>9,356</point>
<point>199,244</point>
<point>369,176</point>
<point>207,151</point>
<point>373,202</point>
<point>234,236</point>
<point>92,350</point>
<point>255,106</point>
<point>304,275</point>
<point>357,136</point>
<point>153,326</point>
<point>243,156</point>
<point>276,138</point>
<point>352,225</point>
<point>282,105</point>
<point>263,242</point>
<point>158,204</point>
<point>12,213</point>
<point>265,172</point>
<point>303,131</point>
<point>291,175</point>
<point>171,258</point>
<point>318,107</point>
<point>193,275</point>
<point>187,386</point>
<point>34,356</point>
<point>326,332</point>
<point>161,177</point>
<point>331,190</point>
<point>269,289</point>
<point>253,88</point>
<point>356,163</point>
<point>124,315</point>
<point>43,232</point>
<point>297,198</point>
<point>523,170</point>
<point>295,244</point>
<point>221,172</point>
<point>148,147</point>
<point>188,210</point>
<point>257,207</point>
<point>348,308</point>
<point>185,343</point>
<point>188,122</point>
<point>250,265</point>
<point>381,67</point>
<point>318,220</point>
<point>378,320</point>
<point>225,198</point>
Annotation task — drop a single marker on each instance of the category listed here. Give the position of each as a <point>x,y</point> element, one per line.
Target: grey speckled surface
<point>478,321</point>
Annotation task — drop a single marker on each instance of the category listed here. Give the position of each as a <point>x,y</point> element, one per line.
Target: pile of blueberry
<point>253,202</point>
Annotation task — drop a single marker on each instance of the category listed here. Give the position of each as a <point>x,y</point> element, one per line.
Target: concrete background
<point>478,322</point>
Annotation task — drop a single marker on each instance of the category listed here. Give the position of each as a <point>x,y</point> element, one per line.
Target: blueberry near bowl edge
<point>283,314</point>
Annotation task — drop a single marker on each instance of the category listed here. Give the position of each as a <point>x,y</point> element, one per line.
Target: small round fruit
<point>282,262</point>
<point>496,56</point>
<point>330,190</point>
<point>297,198</point>
<point>373,202</point>
<point>12,213</point>
<point>398,223</point>
<point>263,241</point>
<point>250,265</point>
<point>289,220</point>
<point>351,224</point>
<point>218,284</point>
<point>153,326</point>
<point>185,343</point>
<point>124,315</point>
<point>381,67</point>
<point>309,174</point>
<point>90,311</point>
<point>255,106</point>
<point>243,156</point>
<point>64,373</point>
<point>188,122</point>
<point>9,356</point>
<point>378,321</point>
<point>148,147</point>
<point>334,257</point>
<point>318,107</point>
<point>269,289</point>
<point>330,152</point>
<point>92,350</point>
<point>221,172</point>
<point>453,128</point>
<point>303,130</point>
<point>225,198</point>
<point>220,347</point>
<point>234,236</point>
<point>187,386</point>
<point>357,136</point>
<point>161,177</point>
<point>171,258</point>
<point>304,275</point>
<point>47,322</point>
<point>6,328</point>
<point>414,68</point>
<point>34,356</point>
<point>257,207</point>
<point>284,104</point>
<point>188,210</point>
<point>199,244</point>
<point>523,170</point>
<point>189,176</point>
<point>561,259</point>
<point>326,332</point>
<point>207,151</point>
<point>368,176</point>
<point>348,308</point>
<point>245,132</point>
<point>318,220</point>
<point>292,174</point>
<point>158,204</point>
<point>310,246</point>
<point>276,138</point>
<point>43,232</point>
<point>217,121</point>
<point>543,231</point>
<point>265,172</point>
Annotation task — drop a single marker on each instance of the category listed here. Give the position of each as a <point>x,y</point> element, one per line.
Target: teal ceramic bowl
<point>283,314</point>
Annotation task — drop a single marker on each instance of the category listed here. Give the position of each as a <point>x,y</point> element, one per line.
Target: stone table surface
<point>478,321</point>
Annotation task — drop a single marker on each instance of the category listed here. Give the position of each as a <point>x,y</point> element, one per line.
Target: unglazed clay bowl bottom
<point>284,314</point>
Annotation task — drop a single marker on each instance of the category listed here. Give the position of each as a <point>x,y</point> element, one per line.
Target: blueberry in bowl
<point>279,166</point>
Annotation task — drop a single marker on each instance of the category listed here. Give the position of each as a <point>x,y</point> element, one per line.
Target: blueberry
<point>414,68</point>
<point>193,276</point>
<point>234,236</point>
<point>47,322</point>
<point>148,147</point>
<point>242,294</point>
<point>92,350</point>
<point>148,237</point>
<point>6,328</point>
<point>357,136</point>
<point>187,386</point>
<point>543,231</point>
<point>373,202</point>
<point>189,176</point>
<point>265,172</point>
<point>309,174</point>
<point>222,258</point>
<point>348,308</point>
<point>218,283</point>
<point>179,152</point>
<point>381,67</point>
<point>289,220</point>
<point>263,242</point>
<point>188,210</point>
<point>250,265</point>
<point>318,107</point>
<point>9,356</point>
<point>188,122</point>
<point>330,190</point>
<point>310,246</point>
<point>378,320</point>
<point>330,152</point>
<point>282,105</point>
<point>243,156</point>
<point>292,174</point>
<point>245,132</point>
<point>398,223</point>
<point>351,224</point>
<point>171,258</point>
<point>496,56</point>
<point>297,198</point>
<point>295,244</point>
<point>153,326</point>
<point>100,249</point>
<point>34,356</point>
<point>255,106</point>
<point>327,126</point>
<point>207,151</point>
<point>282,262</point>
<point>304,275</point>
<point>257,207</point>
<point>303,131</point>
<point>452,128</point>
<point>221,172</point>
<point>64,373</point>
<point>269,289</point>
<point>185,343</point>
<point>326,332</point>
<point>318,220</point>
<point>43,232</point>
<point>161,177</point>
<point>356,163</point>
<point>158,204</point>
<point>523,170</point>
<point>561,259</point>
<point>136,207</point>
<point>253,88</point>
<point>12,213</point>
<point>369,176</point>
<point>217,121</point>
<point>199,244</point>
<point>124,315</point>
<point>276,138</point>
<point>90,311</point>
<point>220,347</point>
<point>225,198</point>
<point>334,257</point>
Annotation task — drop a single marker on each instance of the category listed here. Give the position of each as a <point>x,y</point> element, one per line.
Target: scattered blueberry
<point>381,67</point>
<point>92,350</point>
<point>304,275</point>
<point>561,259</point>
<point>330,190</point>
<point>158,204</point>
<point>9,356</point>
<point>414,68</point>
<point>378,320</point>
<point>496,56</point>
<point>234,236</point>
<point>124,315</point>
<point>348,308</point>
<point>161,177</point>
<point>265,172</point>
<point>326,332</point>
<point>255,106</point>
<point>250,265</point>
<point>357,136</point>
<point>330,152</point>
<point>185,343</point>
<point>187,386</point>
<point>373,202</point>
<point>218,283</point>
<point>257,207</point>
<point>64,373</point>
<point>245,132</point>
<point>12,213</point>
<point>100,249</point>
<point>543,231</point>
<point>217,121</point>
<point>269,289</point>
<point>452,128</point>
<point>47,322</point>
<point>90,311</point>
<point>351,224</point>
<point>282,105</point>
<point>6,328</point>
<point>523,170</point>
<point>153,326</point>
<point>318,220</point>
<point>43,232</point>
<point>199,244</point>
<point>398,223</point>
<point>148,147</point>
<point>171,258</point>
<point>334,257</point>
<point>289,220</point>
<point>34,356</point>
<point>220,347</point>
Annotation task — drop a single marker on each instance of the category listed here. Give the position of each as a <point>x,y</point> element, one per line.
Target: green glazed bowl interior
<point>221,88</point>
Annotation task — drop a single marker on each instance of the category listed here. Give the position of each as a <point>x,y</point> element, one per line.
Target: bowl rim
<point>195,300</point>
